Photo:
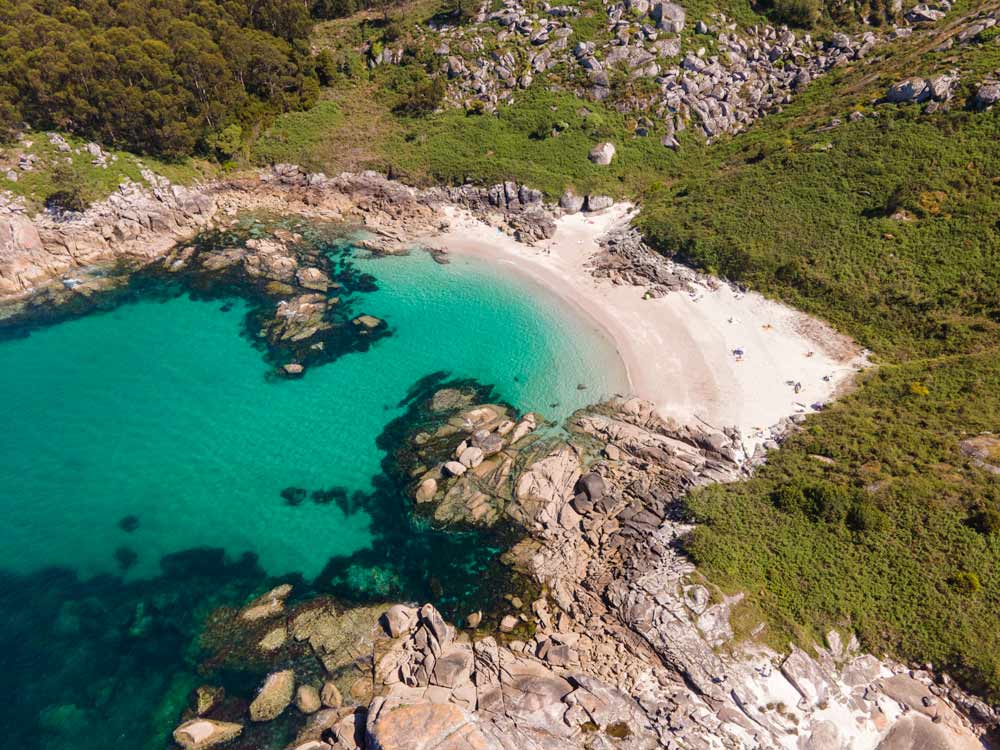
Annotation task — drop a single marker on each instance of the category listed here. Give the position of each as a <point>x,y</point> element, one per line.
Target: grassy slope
<point>36,185</point>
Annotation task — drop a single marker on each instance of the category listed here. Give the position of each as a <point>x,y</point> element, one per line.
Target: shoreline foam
<point>678,350</point>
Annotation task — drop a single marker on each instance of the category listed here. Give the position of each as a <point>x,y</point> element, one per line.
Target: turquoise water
<point>162,411</point>
<point>146,449</point>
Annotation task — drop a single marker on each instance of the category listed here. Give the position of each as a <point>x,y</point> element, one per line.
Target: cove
<point>153,468</point>
<point>162,412</point>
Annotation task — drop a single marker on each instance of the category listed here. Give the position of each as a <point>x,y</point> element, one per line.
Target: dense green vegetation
<point>874,519</point>
<point>155,76</point>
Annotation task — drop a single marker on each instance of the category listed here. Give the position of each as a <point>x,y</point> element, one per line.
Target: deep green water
<point>142,463</point>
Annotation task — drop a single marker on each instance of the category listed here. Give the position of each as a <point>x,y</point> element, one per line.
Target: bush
<point>789,498</point>
<point>228,141</point>
<point>988,35</point>
<point>70,195</point>
<point>802,13</point>
<point>819,501</point>
<point>864,517</point>
<point>987,521</point>
<point>965,583</point>
<point>423,99</point>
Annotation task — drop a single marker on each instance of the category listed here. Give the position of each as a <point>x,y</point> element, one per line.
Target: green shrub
<point>803,13</point>
<point>864,517</point>
<point>819,501</point>
<point>988,35</point>
<point>423,98</point>
<point>70,193</point>
<point>987,521</point>
<point>965,583</point>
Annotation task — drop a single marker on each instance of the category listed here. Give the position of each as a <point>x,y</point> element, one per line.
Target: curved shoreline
<point>678,350</point>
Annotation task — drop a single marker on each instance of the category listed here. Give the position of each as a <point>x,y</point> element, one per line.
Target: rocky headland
<point>623,646</point>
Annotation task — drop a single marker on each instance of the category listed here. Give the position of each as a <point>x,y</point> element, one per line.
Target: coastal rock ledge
<point>140,224</point>
<point>621,644</point>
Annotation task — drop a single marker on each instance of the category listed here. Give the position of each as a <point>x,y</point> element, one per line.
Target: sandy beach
<point>678,350</point>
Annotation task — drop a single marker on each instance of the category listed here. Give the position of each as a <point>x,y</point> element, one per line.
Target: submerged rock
<point>307,699</point>
<point>368,322</point>
<point>274,697</point>
<point>267,605</point>
<point>330,695</point>
<point>203,734</point>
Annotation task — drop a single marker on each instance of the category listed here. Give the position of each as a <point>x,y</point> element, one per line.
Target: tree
<point>154,76</point>
<point>423,98</point>
<point>70,192</point>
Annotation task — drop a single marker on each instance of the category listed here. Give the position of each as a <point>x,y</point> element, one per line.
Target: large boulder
<point>922,13</point>
<point>915,731</point>
<point>602,153</point>
<point>23,259</point>
<point>399,619</point>
<point>599,202</point>
<point>909,90</point>
<point>307,699</point>
<point>570,202</point>
<point>274,696</point>
<point>668,16</point>
<point>202,734</point>
<point>592,485</point>
<point>536,701</point>
<point>942,86</point>
<point>987,95</point>
<point>453,669</point>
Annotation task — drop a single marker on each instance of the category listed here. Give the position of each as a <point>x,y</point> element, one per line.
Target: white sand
<point>678,350</point>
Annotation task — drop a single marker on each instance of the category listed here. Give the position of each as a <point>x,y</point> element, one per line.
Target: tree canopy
<point>157,76</point>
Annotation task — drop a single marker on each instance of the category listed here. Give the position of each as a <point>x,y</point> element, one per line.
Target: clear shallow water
<point>162,411</point>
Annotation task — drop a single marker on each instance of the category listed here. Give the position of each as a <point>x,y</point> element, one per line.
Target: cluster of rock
<point>627,260</point>
<point>728,80</point>
<point>624,648</point>
<point>748,75</point>
<point>140,225</point>
<point>603,543</point>
<point>526,45</point>
<point>972,29</point>
<point>463,469</point>
<point>298,302</point>
<point>928,13</point>
<point>492,695</point>
<point>28,162</point>
<point>937,91</point>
